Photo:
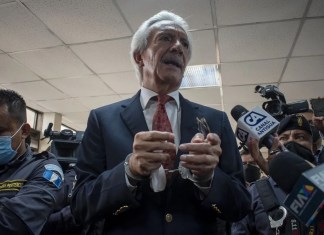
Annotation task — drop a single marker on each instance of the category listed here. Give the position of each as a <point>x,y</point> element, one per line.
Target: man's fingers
<point>154,136</point>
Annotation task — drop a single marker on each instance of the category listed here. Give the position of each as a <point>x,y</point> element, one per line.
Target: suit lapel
<point>133,115</point>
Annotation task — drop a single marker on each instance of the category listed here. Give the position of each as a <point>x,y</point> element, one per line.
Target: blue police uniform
<point>62,222</point>
<point>30,190</point>
<point>257,221</point>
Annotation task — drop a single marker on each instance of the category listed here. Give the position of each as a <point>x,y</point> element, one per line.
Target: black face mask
<point>251,173</point>
<point>300,150</point>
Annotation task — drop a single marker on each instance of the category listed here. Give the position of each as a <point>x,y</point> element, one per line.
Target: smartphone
<point>317,106</point>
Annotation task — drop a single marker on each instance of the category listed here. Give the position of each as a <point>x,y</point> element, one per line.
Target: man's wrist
<point>129,173</point>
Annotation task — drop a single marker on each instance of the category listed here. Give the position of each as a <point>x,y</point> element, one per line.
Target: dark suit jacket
<point>101,190</point>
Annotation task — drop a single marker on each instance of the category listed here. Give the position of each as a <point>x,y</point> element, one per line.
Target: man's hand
<point>319,123</point>
<point>203,155</point>
<point>149,151</point>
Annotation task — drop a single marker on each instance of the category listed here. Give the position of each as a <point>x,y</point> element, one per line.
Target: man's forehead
<point>167,26</point>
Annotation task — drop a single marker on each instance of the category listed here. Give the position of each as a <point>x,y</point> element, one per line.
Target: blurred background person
<point>252,171</point>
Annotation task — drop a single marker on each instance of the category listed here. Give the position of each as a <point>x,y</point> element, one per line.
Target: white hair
<point>139,40</point>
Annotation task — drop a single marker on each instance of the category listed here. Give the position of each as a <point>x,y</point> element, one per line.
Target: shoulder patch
<point>53,177</point>
<point>53,167</point>
<point>12,185</point>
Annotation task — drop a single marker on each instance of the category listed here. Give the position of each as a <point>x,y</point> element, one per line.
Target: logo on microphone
<point>242,135</point>
<point>303,195</point>
<point>254,118</point>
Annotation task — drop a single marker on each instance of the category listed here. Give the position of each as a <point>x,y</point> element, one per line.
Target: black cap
<point>294,122</point>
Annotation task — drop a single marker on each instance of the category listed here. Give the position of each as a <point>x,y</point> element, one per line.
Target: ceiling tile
<point>317,8</point>
<point>81,86</point>
<point>206,96</point>
<point>196,13</point>
<point>6,1</point>
<point>311,38</point>
<point>260,41</point>
<point>252,72</point>
<point>99,101</point>
<point>33,104</point>
<point>307,90</point>
<point>304,69</point>
<point>39,90</point>
<point>106,57</point>
<point>240,94</point>
<point>20,30</point>
<point>53,62</point>
<point>80,21</point>
<point>11,71</point>
<point>203,44</point>
<point>230,12</point>
<point>122,83</point>
<point>63,105</point>
<point>126,96</point>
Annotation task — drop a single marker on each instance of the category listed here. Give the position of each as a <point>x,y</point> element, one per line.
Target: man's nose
<point>177,46</point>
<point>290,138</point>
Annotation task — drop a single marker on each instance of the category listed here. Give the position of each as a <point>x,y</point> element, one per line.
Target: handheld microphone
<point>304,185</point>
<point>257,124</point>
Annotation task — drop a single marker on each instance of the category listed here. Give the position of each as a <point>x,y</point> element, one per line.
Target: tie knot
<point>163,99</point>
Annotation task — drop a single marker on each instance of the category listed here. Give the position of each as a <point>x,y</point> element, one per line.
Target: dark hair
<point>15,103</point>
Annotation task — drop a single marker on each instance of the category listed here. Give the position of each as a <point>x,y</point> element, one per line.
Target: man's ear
<point>138,59</point>
<point>25,130</point>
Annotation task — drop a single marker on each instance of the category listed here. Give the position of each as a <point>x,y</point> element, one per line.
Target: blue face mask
<point>6,151</point>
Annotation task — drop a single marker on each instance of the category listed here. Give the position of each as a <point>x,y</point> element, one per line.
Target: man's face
<point>299,136</point>
<point>247,159</point>
<point>164,60</point>
<point>8,127</point>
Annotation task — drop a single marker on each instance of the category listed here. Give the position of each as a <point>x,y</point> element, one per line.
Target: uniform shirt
<point>30,190</point>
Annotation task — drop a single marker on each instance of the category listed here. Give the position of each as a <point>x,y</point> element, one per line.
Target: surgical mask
<point>300,150</point>
<point>251,173</point>
<point>6,151</point>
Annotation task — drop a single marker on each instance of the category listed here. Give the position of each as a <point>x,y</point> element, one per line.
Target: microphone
<point>303,183</point>
<point>257,124</point>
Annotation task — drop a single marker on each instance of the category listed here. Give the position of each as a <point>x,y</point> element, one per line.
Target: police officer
<point>295,134</point>
<point>30,184</point>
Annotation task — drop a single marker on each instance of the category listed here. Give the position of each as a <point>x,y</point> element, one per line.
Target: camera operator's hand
<point>203,155</point>
<point>253,146</point>
<point>149,151</point>
<point>319,123</point>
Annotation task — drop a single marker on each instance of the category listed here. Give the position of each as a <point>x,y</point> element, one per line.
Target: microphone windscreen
<point>238,111</point>
<point>286,168</point>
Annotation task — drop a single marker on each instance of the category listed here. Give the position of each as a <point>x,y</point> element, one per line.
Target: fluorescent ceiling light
<point>206,75</point>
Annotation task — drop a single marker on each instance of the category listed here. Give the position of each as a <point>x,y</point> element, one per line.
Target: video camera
<point>277,106</point>
<point>64,145</point>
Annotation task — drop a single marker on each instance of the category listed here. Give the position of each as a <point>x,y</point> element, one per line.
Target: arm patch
<point>51,176</point>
